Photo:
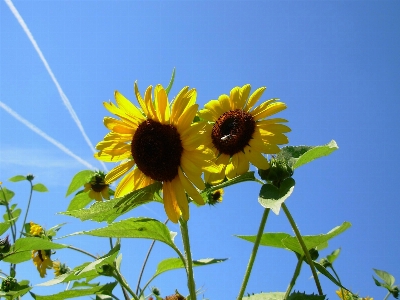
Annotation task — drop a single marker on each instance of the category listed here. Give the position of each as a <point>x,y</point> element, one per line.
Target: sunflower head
<point>36,229</point>
<point>241,133</point>
<point>98,189</point>
<point>158,141</point>
<point>215,197</point>
<point>59,268</point>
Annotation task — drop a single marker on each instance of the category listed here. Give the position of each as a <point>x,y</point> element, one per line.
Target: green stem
<point>27,208</point>
<point>303,246</point>
<point>13,230</point>
<point>82,251</point>
<point>118,276</point>
<point>387,296</point>
<point>337,277</point>
<point>253,253</point>
<point>188,258</point>
<point>295,275</point>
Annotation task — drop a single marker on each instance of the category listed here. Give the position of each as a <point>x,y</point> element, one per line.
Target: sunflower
<point>158,143</point>
<point>59,268</point>
<point>98,189</point>
<point>35,230</point>
<point>239,134</point>
<point>42,261</point>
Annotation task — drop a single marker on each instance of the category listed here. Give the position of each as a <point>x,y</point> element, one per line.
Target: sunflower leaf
<point>79,201</point>
<point>39,187</point>
<point>266,296</point>
<point>105,289</point>
<point>109,210</point>
<point>17,178</point>
<point>79,180</point>
<point>6,195</point>
<point>272,197</point>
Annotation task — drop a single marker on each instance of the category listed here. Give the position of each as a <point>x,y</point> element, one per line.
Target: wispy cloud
<point>45,136</point>
<point>64,98</point>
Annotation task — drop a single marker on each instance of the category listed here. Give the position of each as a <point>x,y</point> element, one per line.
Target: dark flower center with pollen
<point>98,183</point>
<point>157,150</point>
<point>233,131</point>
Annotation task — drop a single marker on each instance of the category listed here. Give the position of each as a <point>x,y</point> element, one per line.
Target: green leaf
<point>266,296</point>
<point>171,82</point>
<point>176,263</point>
<point>39,187</point>
<point>385,276</point>
<point>20,290</point>
<point>272,197</point>
<point>17,178</point>
<point>4,227</point>
<point>79,201</point>
<point>79,180</point>
<point>17,257</point>
<point>14,215</point>
<point>332,257</point>
<point>304,296</point>
<point>288,242</point>
<point>378,283</point>
<point>144,228</point>
<point>53,230</point>
<point>110,210</point>
<point>328,275</point>
<point>297,156</point>
<point>78,284</point>
<point>102,289</point>
<point>6,195</point>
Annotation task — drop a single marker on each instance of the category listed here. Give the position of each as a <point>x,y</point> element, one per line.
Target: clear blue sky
<point>335,63</point>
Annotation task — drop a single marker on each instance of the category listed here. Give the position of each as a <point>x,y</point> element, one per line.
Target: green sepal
<point>105,289</point>
<point>171,82</point>
<point>272,197</point>
<point>110,210</point>
<point>39,187</point>
<point>79,180</point>
<point>17,178</point>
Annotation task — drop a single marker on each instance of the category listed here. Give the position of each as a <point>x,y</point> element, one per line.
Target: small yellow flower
<point>98,189</point>
<point>36,230</point>
<point>59,268</point>
<point>240,134</point>
<point>346,295</point>
<point>42,261</point>
<point>158,142</point>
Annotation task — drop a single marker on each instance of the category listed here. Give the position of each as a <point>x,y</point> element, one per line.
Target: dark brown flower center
<point>233,131</point>
<point>98,183</point>
<point>157,150</point>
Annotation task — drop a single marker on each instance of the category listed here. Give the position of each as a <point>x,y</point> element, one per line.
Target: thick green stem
<point>253,253</point>
<point>27,208</point>
<point>303,246</point>
<point>188,258</point>
<point>294,277</point>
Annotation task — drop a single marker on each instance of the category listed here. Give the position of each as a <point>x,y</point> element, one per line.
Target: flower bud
<point>395,292</point>
<point>278,171</point>
<point>325,263</point>
<point>8,284</point>
<point>313,253</point>
<point>30,177</point>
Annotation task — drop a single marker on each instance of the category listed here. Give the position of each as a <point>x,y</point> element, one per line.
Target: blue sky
<point>334,63</point>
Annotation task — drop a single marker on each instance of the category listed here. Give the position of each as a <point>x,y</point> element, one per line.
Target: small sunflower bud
<point>278,171</point>
<point>215,197</point>
<point>313,253</point>
<point>8,284</point>
<point>30,177</point>
<point>155,291</point>
<point>4,245</point>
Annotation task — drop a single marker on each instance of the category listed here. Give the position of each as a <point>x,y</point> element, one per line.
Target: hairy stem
<point>188,258</point>
<point>294,277</point>
<point>303,246</point>
<point>253,253</point>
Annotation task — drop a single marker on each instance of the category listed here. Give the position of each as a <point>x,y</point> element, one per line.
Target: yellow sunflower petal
<point>111,158</point>
<point>214,178</point>
<point>215,108</point>
<point>162,104</point>
<point>127,106</point>
<point>118,137</point>
<point>117,149</point>
<point>272,121</point>
<point>256,158</point>
<point>206,115</point>
<point>275,128</point>
<point>193,175</point>
<point>131,182</point>
<point>270,137</point>
<point>238,165</point>
<point>187,117</point>
<point>105,194</point>
<point>234,98</point>
<point>119,171</point>
<point>140,99</point>
<point>190,189</point>
<point>254,98</point>
<point>170,204</point>
<point>262,147</point>
<point>268,111</point>
<point>179,104</point>
<point>180,196</point>
<point>224,102</point>
<point>151,113</point>
<point>243,95</point>
<point>95,195</point>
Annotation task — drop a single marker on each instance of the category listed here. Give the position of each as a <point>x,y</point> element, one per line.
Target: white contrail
<point>64,98</point>
<point>45,136</point>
